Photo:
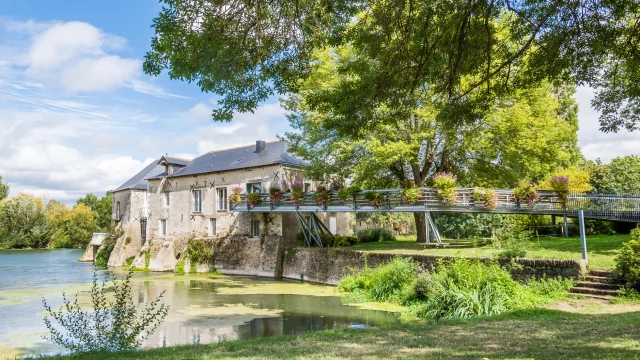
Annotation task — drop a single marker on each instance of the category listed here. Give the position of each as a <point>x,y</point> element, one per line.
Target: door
<point>333,227</point>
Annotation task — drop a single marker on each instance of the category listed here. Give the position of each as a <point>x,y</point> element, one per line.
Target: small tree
<point>112,325</point>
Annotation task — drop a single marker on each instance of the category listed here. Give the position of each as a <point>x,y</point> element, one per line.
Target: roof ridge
<point>244,146</point>
<point>176,157</point>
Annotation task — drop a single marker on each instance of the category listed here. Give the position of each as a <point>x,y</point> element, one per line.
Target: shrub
<point>487,197</point>
<point>560,186</point>
<point>348,194</point>
<point>322,197</point>
<point>254,199</point>
<point>551,288</point>
<point>275,194</point>
<point>628,261</point>
<point>463,288</point>
<point>410,195</point>
<point>374,198</point>
<point>102,257</point>
<point>337,240</point>
<point>446,183</point>
<point>199,252</point>
<point>512,238</point>
<point>113,324</point>
<point>387,282</point>
<point>234,198</point>
<point>525,193</point>
<point>375,235</point>
<point>297,193</point>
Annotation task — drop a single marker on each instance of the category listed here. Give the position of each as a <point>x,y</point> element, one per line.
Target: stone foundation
<point>328,266</point>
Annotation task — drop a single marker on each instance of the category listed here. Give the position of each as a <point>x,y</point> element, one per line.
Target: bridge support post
<point>566,226</point>
<point>583,237</point>
<point>426,227</point>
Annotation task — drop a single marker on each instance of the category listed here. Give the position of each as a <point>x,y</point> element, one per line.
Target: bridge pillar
<point>426,228</point>
<point>583,237</point>
<point>566,226</point>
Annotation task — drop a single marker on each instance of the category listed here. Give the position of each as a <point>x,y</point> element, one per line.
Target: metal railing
<point>595,206</point>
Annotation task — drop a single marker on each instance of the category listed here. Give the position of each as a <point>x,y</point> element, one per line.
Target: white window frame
<point>163,227</point>
<point>118,210</point>
<point>255,228</point>
<point>213,227</point>
<point>251,186</point>
<point>197,201</point>
<point>222,200</point>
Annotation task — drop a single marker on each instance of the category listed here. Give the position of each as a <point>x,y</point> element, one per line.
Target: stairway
<point>598,284</point>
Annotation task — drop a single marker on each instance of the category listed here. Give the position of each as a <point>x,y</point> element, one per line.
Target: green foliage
<point>70,227</point>
<point>348,193</point>
<point>374,198</point>
<point>110,325</point>
<point>275,194</point>
<point>387,282</point>
<point>627,295</point>
<point>101,208</point>
<point>410,195</point>
<point>375,235</point>
<point>551,288</point>
<point>234,198</point>
<point>4,190</point>
<point>180,267</point>
<point>129,262</point>
<point>623,175</point>
<point>525,193</point>
<point>322,196</point>
<point>487,197</point>
<point>200,252</point>
<point>254,199</point>
<point>297,193</point>
<point>628,260</point>
<point>446,185</point>
<point>23,223</point>
<point>560,186</point>
<point>102,257</point>
<point>334,241</point>
<point>512,239</point>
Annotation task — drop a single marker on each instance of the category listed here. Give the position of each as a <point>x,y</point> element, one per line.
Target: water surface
<point>203,308</point>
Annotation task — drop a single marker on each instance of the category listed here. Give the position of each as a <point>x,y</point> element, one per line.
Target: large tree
<point>4,190</point>
<point>246,51</point>
<point>526,135</point>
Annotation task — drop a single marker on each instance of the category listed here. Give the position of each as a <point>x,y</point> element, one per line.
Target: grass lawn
<point>601,249</point>
<point>596,332</point>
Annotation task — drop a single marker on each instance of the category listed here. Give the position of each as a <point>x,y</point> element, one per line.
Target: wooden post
<point>583,237</point>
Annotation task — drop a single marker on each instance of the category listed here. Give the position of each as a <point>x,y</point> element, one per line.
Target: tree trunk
<point>421,222</point>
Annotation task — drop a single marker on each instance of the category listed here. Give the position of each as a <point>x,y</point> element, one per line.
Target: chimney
<point>260,145</point>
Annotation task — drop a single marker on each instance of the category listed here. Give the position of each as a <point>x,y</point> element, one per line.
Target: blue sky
<point>77,114</point>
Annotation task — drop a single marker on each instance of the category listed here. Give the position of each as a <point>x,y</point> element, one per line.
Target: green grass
<point>539,334</point>
<point>601,249</point>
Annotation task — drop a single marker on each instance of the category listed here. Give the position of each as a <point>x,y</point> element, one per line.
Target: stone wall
<point>328,266</point>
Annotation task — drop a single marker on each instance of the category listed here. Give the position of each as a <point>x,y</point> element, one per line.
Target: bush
<point>512,239</point>
<point>337,240</point>
<point>551,288</point>
<point>387,282</point>
<point>102,257</point>
<point>628,261</point>
<point>375,235</point>
<point>112,325</point>
<point>487,197</point>
<point>199,252</point>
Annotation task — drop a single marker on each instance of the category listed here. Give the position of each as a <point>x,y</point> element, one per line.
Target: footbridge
<point>615,207</point>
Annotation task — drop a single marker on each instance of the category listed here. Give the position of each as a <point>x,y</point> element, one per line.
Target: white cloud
<point>596,144</point>
<point>150,89</point>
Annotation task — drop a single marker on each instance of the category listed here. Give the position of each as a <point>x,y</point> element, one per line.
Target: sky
<point>78,115</point>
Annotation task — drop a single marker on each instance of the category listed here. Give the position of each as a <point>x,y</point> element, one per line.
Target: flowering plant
<point>297,192</point>
<point>234,198</point>
<point>487,197</point>
<point>275,194</point>
<point>560,186</point>
<point>374,198</point>
<point>322,197</point>
<point>445,184</point>
<point>410,195</point>
<point>524,193</point>
<point>348,193</point>
<point>254,199</point>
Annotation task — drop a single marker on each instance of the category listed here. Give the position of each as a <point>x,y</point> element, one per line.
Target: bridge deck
<point>595,206</point>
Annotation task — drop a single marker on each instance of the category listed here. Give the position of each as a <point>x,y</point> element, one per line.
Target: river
<point>204,308</point>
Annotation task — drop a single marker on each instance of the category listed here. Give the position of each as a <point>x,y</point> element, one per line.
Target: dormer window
<point>236,162</point>
<point>168,169</point>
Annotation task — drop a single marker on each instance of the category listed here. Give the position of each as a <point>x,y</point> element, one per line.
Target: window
<point>163,227</point>
<point>118,210</point>
<point>167,198</point>
<point>222,199</point>
<point>197,201</point>
<point>254,187</point>
<point>307,187</point>
<point>255,227</point>
<point>236,162</point>
<point>212,226</point>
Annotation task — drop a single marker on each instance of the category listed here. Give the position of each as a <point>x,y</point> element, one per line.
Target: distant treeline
<point>26,222</point>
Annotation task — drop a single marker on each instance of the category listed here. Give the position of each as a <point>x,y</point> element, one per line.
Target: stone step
<point>602,273</point>
<point>597,297</point>
<point>590,291</point>
<point>598,285</point>
<point>602,280</point>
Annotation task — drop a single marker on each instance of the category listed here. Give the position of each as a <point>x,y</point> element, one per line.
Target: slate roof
<point>153,170</point>
<point>243,157</point>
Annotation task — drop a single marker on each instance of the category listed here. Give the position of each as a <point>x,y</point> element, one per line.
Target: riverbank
<point>582,329</point>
